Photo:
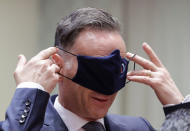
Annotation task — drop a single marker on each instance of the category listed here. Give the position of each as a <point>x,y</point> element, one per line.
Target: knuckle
<point>32,62</point>
<point>51,48</point>
<point>42,52</point>
<point>50,70</point>
<point>145,79</point>
<point>158,82</point>
<point>163,70</point>
<point>41,64</point>
<point>15,73</point>
<point>44,65</point>
<point>161,74</point>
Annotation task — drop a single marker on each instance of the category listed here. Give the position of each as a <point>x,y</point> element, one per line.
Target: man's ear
<point>58,60</point>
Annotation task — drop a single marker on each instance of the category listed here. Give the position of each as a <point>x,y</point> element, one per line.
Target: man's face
<point>87,103</point>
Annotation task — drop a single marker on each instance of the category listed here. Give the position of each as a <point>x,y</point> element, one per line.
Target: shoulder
<point>129,122</point>
<point>125,119</point>
<point>26,110</point>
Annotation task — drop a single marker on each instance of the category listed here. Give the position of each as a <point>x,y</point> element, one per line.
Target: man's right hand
<point>40,69</point>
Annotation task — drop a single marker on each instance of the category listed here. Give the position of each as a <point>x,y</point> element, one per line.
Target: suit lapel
<point>106,123</point>
<point>53,121</point>
<point>111,125</point>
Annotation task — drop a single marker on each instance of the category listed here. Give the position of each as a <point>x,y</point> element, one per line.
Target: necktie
<point>93,126</point>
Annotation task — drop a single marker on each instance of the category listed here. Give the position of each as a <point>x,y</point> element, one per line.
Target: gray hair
<point>69,27</point>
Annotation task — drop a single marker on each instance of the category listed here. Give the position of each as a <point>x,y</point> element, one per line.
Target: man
<point>90,66</point>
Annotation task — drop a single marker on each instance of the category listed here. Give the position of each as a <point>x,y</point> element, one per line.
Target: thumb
<point>21,61</point>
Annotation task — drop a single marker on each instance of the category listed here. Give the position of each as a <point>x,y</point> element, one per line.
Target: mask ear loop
<point>134,66</point>
<point>65,51</point>
<point>68,53</point>
<point>64,76</point>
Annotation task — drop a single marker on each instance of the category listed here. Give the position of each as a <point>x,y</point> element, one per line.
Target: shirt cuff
<point>30,85</point>
<point>186,99</point>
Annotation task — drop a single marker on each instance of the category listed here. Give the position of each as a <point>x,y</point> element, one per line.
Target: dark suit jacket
<point>28,112</point>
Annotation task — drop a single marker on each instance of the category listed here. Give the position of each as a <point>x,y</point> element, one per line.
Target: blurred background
<point>28,26</point>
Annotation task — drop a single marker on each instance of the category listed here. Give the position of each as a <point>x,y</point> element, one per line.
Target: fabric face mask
<point>105,75</point>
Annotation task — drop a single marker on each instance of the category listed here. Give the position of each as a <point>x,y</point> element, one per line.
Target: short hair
<point>70,27</point>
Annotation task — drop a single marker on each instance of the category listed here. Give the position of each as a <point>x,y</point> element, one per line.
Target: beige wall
<point>18,34</point>
<point>29,26</point>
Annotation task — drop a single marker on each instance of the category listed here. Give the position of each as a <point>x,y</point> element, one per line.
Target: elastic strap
<point>134,66</point>
<point>64,76</point>
<point>65,50</point>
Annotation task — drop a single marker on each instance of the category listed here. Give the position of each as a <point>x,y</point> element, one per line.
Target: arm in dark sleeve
<point>170,109</point>
<point>177,118</point>
<point>26,111</point>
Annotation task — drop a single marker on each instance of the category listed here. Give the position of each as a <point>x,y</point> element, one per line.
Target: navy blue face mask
<point>105,75</point>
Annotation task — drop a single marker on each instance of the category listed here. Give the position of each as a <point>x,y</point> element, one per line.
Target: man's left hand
<point>156,76</point>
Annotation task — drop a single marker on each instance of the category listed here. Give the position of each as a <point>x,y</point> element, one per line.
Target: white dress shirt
<point>71,120</point>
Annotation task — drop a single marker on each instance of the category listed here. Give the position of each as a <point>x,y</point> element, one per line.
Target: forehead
<point>98,43</point>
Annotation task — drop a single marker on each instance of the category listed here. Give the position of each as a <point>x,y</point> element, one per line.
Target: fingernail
<point>19,56</point>
<point>129,73</point>
<point>129,54</point>
<point>145,44</point>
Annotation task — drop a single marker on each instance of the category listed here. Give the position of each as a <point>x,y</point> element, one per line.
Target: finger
<point>146,64</point>
<point>58,77</point>
<point>21,62</point>
<point>152,55</point>
<point>141,73</point>
<point>141,79</point>
<point>45,54</point>
<point>48,62</point>
<point>57,59</point>
<point>55,68</point>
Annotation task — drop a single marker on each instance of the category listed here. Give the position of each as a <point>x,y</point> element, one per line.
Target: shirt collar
<point>70,118</point>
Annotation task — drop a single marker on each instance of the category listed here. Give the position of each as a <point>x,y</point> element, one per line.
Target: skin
<point>86,103</point>
<point>39,69</point>
<point>155,75</point>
